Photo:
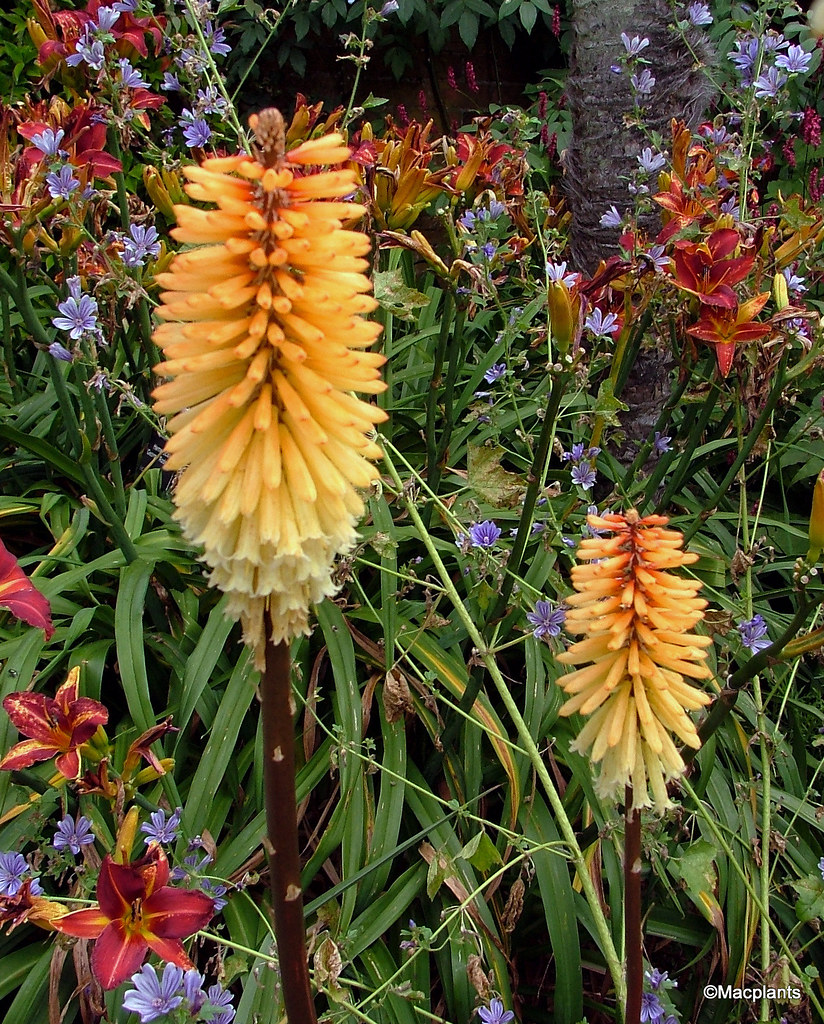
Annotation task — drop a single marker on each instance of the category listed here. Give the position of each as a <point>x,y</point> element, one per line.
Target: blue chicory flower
<point>602,326</point>
<point>643,83</point>
<point>484,535</point>
<point>153,997</point>
<point>699,14</point>
<point>547,619</point>
<point>73,834</point>
<point>48,141</point>
<point>769,83</point>
<point>79,316</point>
<point>611,219</point>
<point>197,133</point>
<point>754,634</point>
<point>635,45</point>
<point>796,61</point>
<point>495,1013</point>
<point>139,244</point>
<point>160,829</point>
<point>649,161</point>
<point>583,475</point>
<point>495,372</point>
<point>661,443</point>
<point>62,183</point>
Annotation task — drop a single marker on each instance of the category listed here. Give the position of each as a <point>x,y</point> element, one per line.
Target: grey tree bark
<point>603,148</point>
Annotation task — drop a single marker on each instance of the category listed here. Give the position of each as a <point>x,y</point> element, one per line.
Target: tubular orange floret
<point>636,618</point>
<point>263,335</point>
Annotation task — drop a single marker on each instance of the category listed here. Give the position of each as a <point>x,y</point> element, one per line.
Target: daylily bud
<point>561,319</point>
<point>151,774</point>
<point>126,836</point>
<point>817,521</point>
<point>781,295</point>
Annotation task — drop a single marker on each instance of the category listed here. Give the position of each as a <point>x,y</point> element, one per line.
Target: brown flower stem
<point>632,912</point>
<point>277,711</point>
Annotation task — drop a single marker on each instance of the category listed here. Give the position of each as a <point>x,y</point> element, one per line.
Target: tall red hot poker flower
<point>55,726</point>
<point>264,339</point>
<point>636,616</point>
<point>137,911</point>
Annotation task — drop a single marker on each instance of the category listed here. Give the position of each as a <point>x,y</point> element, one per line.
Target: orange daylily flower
<point>704,269</point>
<point>636,617</point>
<point>20,596</point>
<point>726,328</point>
<point>54,726</point>
<point>137,911</point>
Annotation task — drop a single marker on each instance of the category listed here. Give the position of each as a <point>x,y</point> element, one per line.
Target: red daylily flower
<point>727,328</point>
<point>703,269</point>
<point>20,596</point>
<point>84,141</point>
<point>60,30</point>
<point>55,726</point>
<point>137,911</point>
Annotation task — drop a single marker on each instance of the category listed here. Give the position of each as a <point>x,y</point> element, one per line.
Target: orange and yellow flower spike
<point>264,338</point>
<point>636,618</point>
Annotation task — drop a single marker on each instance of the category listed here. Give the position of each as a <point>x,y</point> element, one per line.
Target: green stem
<point>525,737</point>
<point>282,847</point>
<point>433,471</point>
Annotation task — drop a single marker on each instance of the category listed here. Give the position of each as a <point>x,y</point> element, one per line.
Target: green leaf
<point>481,852</point>
<point>396,297</point>
<point>528,14</point>
<point>468,28</point>
<point>490,480</point>
<point>607,405</point>
<point>696,869</point>
<point>810,903</point>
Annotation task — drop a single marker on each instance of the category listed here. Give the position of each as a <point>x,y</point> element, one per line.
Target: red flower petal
<point>68,764</point>
<point>118,886</point>
<point>176,913</point>
<point>171,950</point>
<point>33,714</point>
<point>20,596</point>
<point>25,754</point>
<point>83,924</point>
<point>117,954</point>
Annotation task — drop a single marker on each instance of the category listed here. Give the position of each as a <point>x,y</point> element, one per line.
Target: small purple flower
<point>222,1001</point>
<point>774,41</point>
<point>754,634</point>
<point>699,14</point>
<point>161,830</point>
<point>743,57</point>
<point>547,619</point>
<point>13,869</point>
<point>583,475</point>
<point>126,6</point>
<point>656,978</point>
<point>48,141</point>
<point>635,45</point>
<point>601,326</point>
<point>661,443</point>
<point>59,352</point>
<point>87,50</point>
<point>468,220</point>
<point>649,161</point>
<point>558,272</point>
<point>216,39</point>
<point>731,207</point>
<point>193,991</point>
<point>79,316</point>
<point>579,451</point>
<point>484,535</point>
<point>140,243</point>
<point>73,834</point>
<point>210,101</point>
<point>63,183</point>
<point>197,133</point>
<point>643,83</point>
<point>170,83</point>
<point>796,61</point>
<point>216,892</point>
<point>130,77</point>
<point>652,1010</point>
<point>768,84</point>
<point>496,208</point>
<point>821,867</point>
<point>153,997</point>
<point>495,372</point>
<point>611,219</point>
<point>495,1013</point>
<point>794,283</point>
<point>488,250</point>
<point>389,8</point>
<point>107,18</point>
<point>655,253</point>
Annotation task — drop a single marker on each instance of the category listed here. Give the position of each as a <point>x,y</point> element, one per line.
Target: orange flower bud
<point>816,531</point>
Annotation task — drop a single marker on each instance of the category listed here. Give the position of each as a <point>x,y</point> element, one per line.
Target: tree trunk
<point>603,149</point>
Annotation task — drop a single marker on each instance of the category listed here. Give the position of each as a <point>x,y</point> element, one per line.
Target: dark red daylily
<point>84,140</point>
<point>20,596</point>
<point>54,726</point>
<point>704,269</point>
<point>56,32</point>
<point>137,911</point>
<point>724,329</point>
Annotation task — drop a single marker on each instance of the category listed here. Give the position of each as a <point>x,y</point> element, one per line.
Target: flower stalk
<point>632,911</point>
<point>282,847</point>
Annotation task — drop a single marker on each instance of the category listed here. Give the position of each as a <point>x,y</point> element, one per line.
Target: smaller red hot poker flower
<point>137,911</point>
<point>59,725</point>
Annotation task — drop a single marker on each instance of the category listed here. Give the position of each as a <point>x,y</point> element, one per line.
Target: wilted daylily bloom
<point>55,726</point>
<point>26,905</point>
<point>19,595</point>
<point>704,269</point>
<point>137,911</point>
<point>726,328</point>
<point>264,340</point>
<point>636,617</point>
